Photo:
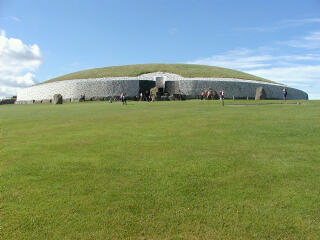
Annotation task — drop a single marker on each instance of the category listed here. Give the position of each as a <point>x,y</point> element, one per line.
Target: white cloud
<point>304,77</point>
<point>290,74</point>
<point>247,59</point>
<point>18,61</point>
<point>16,19</point>
<point>7,91</point>
<point>311,41</point>
<point>299,71</point>
<point>238,59</point>
<point>289,23</point>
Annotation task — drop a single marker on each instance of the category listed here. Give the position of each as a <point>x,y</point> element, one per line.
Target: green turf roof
<point>185,70</point>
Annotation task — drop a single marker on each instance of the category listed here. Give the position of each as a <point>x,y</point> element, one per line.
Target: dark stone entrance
<point>145,86</point>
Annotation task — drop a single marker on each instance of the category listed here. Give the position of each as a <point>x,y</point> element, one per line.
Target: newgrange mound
<point>187,80</point>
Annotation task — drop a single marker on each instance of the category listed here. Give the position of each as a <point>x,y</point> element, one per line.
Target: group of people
<point>82,98</point>
<point>123,98</point>
<point>142,98</point>
<point>209,95</point>
<point>221,94</point>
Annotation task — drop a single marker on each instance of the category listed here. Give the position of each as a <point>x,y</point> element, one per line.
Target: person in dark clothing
<point>284,92</point>
<point>124,99</point>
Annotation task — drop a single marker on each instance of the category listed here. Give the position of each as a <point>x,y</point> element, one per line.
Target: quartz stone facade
<point>132,86</point>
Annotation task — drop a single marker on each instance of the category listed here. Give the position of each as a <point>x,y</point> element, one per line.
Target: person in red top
<point>202,95</point>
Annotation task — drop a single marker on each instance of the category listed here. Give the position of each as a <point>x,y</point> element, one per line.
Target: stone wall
<point>238,89</point>
<point>172,87</point>
<point>191,87</point>
<point>73,89</point>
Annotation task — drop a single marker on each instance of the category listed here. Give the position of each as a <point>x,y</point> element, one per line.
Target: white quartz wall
<point>239,89</point>
<point>75,88</point>
<point>103,87</point>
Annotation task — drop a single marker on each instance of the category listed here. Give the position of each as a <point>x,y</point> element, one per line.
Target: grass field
<point>185,70</point>
<point>164,170</point>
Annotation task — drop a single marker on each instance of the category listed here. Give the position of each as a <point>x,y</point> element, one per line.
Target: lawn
<point>162,170</point>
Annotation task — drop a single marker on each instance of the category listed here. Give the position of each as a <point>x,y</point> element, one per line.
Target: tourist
<point>124,99</point>
<point>202,95</point>
<point>209,95</point>
<point>284,92</point>
<point>82,98</point>
<point>121,97</point>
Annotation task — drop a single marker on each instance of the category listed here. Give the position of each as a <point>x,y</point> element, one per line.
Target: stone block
<point>260,93</point>
<point>57,99</point>
<point>164,98</point>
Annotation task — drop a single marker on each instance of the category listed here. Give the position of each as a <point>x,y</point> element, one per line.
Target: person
<point>110,100</point>
<point>284,92</point>
<point>121,97</point>
<point>141,96</point>
<point>209,95</point>
<point>124,99</point>
<point>202,95</point>
<point>220,95</point>
<point>82,98</point>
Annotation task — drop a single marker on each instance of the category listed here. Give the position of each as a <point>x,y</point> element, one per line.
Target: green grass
<point>185,70</point>
<point>164,170</point>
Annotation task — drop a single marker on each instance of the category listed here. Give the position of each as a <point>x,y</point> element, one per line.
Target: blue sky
<point>42,39</point>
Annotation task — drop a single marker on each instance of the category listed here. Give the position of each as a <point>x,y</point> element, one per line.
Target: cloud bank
<point>18,62</point>
<point>301,71</point>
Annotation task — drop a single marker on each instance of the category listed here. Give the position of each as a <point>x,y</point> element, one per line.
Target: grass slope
<point>164,170</point>
<point>185,70</point>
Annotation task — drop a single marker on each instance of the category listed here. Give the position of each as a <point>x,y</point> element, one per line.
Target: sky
<point>275,39</point>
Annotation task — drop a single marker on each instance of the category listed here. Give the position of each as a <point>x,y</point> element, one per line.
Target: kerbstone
<point>57,99</point>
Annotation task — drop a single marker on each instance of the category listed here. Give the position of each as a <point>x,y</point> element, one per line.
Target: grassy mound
<point>178,170</point>
<point>185,70</point>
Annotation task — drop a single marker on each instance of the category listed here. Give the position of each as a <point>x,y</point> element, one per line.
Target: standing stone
<point>57,99</point>
<point>160,83</point>
<point>154,93</point>
<point>260,94</point>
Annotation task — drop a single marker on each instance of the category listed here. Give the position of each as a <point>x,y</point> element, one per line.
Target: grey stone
<point>160,82</point>
<point>164,98</point>
<point>154,93</point>
<point>57,99</point>
<point>260,94</point>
